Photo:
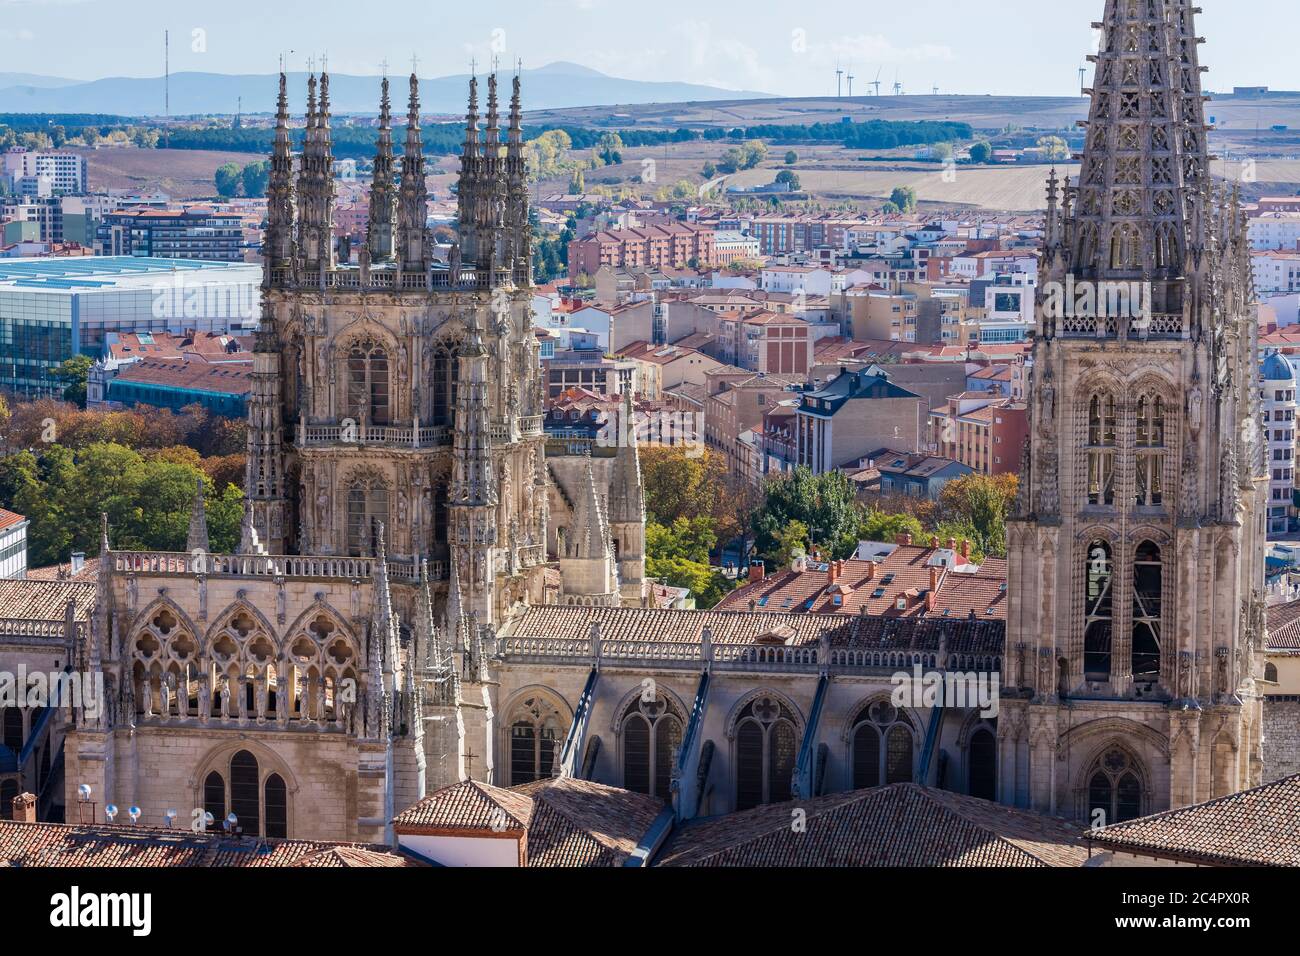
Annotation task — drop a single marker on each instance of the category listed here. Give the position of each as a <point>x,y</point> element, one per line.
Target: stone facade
<point>1136,550</point>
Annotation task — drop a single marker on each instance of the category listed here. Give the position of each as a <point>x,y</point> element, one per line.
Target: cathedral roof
<point>1259,827</point>
<point>45,600</point>
<point>898,825</point>
<point>743,627</point>
<point>563,821</point>
<point>104,845</point>
<point>1284,626</point>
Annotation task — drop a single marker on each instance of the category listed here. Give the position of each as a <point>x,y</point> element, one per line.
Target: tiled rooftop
<point>899,825</point>
<point>1259,827</point>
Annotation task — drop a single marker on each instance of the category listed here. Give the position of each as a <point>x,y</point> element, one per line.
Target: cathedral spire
<point>316,184</point>
<point>493,132</point>
<point>626,495</point>
<point>279,243</point>
<point>1144,140</point>
<point>380,235</point>
<point>413,202</point>
<point>590,528</point>
<point>518,239</point>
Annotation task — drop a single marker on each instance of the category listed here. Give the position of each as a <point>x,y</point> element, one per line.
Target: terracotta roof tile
<point>899,825</point>
<point>44,600</point>
<point>1259,827</point>
<point>57,844</point>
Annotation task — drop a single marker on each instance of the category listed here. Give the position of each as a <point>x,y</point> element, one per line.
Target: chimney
<point>24,808</point>
<point>78,561</point>
<point>871,570</point>
<point>934,541</point>
<point>832,573</point>
<point>757,571</point>
<point>907,539</point>
<point>932,595</point>
<point>952,544</point>
<point>965,548</point>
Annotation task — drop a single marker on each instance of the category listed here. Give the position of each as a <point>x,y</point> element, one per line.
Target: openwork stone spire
<point>380,235</point>
<point>279,240</point>
<point>412,213</point>
<point>1144,139</point>
<point>316,183</point>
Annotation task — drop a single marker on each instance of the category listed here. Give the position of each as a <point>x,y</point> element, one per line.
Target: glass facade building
<point>52,309</point>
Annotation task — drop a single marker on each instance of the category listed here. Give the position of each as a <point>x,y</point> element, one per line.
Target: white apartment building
<point>13,545</point>
<point>1278,395</point>
<point>1276,271</point>
<point>1274,230</point>
<point>730,246</point>
<point>49,172</point>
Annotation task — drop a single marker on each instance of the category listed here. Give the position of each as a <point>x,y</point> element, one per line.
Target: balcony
<point>336,567</point>
<point>395,436</point>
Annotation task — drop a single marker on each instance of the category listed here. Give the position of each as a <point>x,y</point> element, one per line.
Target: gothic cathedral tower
<point>401,389</point>
<point>1136,620</point>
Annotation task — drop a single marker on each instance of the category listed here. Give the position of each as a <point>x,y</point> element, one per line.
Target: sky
<point>1029,47</point>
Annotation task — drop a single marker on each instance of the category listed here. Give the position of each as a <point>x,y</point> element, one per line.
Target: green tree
<point>981,152</point>
<point>791,158</point>
<point>904,197</point>
<point>74,373</point>
<point>610,148</point>
<point>981,503</point>
<point>1054,148</point>
<point>254,178</point>
<point>791,541</point>
<point>229,178</point>
<point>824,504</point>
<point>786,176</point>
<point>710,170</point>
<point>882,526</point>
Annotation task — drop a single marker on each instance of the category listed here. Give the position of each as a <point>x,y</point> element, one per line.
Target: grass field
<point>180,173</point>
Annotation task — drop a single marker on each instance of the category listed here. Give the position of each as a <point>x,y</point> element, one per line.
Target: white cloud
<point>873,48</point>
<point>22,36</point>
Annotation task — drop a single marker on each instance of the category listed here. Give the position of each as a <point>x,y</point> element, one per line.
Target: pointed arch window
<point>1150,461</point>
<point>765,753</point>
<point>1098,611</point>
<point>1148,581</point>
<point>535,730</point>
<point>368,386</point>
<point>277,806</point>
<point>444,376</point>
<point>214,798</point>
<point>12,734</point>
<point>652,735</point>
<point>367,504</point>
<point>882,741</point>
<point>1114,789</point>
<point>244,802</point>
<point>1102,444</point>
<point>982,765</point>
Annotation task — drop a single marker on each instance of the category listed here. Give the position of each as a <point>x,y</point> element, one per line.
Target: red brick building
<point>663,247</point>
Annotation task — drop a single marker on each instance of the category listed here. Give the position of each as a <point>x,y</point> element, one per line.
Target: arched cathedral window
<point>982,765</point>
<point>652,735</point>
<point>12,734</point>
<point>1098,611</point>
<point>1114,789</point>
<point>535,731</point>
<point>368,387</point>
<point>765,753</point>
<point>882,746</point>
<point>1101,450</point>
<point>444,376</point>
<point>1148,579</point>
<point>261,806</point>
<point>1150,470</point>
<point>367,504</point>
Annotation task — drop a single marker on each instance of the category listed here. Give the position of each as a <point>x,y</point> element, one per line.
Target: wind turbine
<point>876,81</point>
<point>839,74</point>
<point>935,91</point>
<point>850,78</point>
<point>898,87</point>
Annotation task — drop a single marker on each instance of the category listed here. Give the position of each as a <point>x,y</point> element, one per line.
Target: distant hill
<point>34,80</point>
<point>555,86</point>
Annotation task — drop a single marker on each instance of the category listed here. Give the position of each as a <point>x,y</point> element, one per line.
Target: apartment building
<point>667,246</point>
<point>841,422</point>
<point>736,403</point>
<point>200,233</point>
<point>981,430</point>
<point>1274,230</point>
<point>1277,389</point>
<point>1276,271</point>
